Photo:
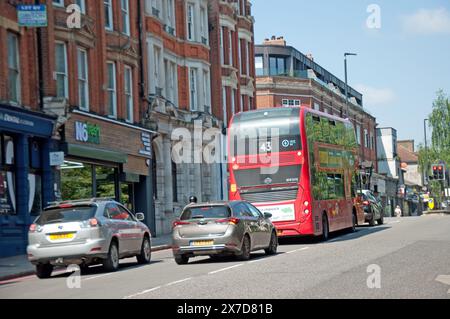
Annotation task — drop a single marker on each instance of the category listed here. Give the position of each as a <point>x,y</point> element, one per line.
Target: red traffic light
<point>440,168</point>
<point>435,168</point>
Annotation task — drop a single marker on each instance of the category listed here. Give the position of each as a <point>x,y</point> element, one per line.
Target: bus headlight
<point>306,211</point>
<point>233,188</point>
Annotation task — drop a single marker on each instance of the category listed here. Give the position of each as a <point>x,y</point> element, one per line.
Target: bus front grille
<point>270,196</point>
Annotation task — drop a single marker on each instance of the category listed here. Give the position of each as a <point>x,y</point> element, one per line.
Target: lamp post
<point>346,80</point>
<point>425,175</point>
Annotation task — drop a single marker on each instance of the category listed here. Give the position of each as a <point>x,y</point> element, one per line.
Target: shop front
<point>105,158</point>
<point>26,175</point>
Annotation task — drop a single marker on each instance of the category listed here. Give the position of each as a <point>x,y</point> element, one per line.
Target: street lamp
<point>346,80</point>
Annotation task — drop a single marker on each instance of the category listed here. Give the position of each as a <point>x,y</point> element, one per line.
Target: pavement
<point>405,258</point>
<point>18,266</point>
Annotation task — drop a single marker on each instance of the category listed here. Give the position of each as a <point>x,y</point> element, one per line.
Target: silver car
<point>87,232</point>
<point>223,228</point>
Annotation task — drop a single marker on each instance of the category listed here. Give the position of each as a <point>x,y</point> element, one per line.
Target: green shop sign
<point>87,133</point>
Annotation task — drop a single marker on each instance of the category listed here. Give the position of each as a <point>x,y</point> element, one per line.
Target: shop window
<point>106,182</point>
<point>36,192</point>
<point>7,177</point>
<point>76,181</point>
<point>174,182</point>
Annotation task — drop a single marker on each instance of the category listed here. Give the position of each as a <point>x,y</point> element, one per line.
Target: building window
<point>111,90</point>
<point>204,25</point>
<point>193,88</point>
<point>222,46</point>
<point>242,103</point>
<point>206,92</point>
<point>155,7</point>
<point>13,69</point>
<point>128,90</point>
<point>366,138</point>
<point>277,66</point>
<point>125,10</point>
<point>108,15</point>
<point>174,182</point>
<point>190,22</point>
<point>287,102</point>
<point>247,57</point>
<point>82,5</point>
<point>233,101</point>
<point>62,80</point>
<point>316,106</point>
<point>83,83</point>
<point>169,15</point>
<point>358,134</point>
<point>250,103</point>
<point>224,106</point>
<point>259,65</point>
<point>58,3</point>
<point>171,82</point>
<point>230,48</point>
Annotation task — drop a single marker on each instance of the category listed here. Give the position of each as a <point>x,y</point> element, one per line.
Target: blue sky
<point>399,66</point>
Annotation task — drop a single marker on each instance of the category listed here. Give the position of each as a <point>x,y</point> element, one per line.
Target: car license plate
<point>61,236</point>
<point>200,243</point>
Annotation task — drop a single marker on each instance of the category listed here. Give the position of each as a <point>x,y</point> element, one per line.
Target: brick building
<point>286,77</point>
<point>194,77</point>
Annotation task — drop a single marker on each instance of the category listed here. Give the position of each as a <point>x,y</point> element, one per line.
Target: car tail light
<point>93,222</point>
<point>230,221</point>
<point>65,206</point>
<point>33,228</point>
<point>179,223</point>
<point>366,203</point>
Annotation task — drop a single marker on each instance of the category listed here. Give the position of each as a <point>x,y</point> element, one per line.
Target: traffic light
<point>439,172</point>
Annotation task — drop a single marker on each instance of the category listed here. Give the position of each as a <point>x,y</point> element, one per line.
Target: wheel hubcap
<point>114,256</point>
<point>147,250</point>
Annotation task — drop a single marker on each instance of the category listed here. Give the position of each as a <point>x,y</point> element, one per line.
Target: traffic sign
<point>32,15</point>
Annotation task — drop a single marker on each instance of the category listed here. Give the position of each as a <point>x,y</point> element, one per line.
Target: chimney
<point>280,41</point>
<point>409,145</point>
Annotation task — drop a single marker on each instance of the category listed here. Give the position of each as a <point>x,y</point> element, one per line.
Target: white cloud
<point>376,96</point>
<point>427,21</point>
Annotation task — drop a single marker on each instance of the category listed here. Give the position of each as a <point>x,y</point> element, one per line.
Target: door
<point>121,227</point>
<point>135,233</point>
<point>264,227</point>
<point>251,223</point>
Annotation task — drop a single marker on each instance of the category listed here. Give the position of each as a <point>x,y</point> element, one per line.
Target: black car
<point>373,208</point>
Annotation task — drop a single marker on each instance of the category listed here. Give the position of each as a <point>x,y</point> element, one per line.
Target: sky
<point>403,49</point>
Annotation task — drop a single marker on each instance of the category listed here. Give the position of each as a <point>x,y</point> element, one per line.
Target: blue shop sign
<point>32,15</point>
<point>26,123</point>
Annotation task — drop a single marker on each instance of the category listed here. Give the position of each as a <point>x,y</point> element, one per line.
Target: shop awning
<point>95,153</point>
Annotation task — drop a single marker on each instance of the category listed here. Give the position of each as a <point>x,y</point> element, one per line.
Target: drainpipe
<point>40,63</point>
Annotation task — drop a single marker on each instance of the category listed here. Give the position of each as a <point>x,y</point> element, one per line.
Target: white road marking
<point>395,222</point>
<point>99,276</point>
<point>178,282</point>
<point>224,269</point>
<point>444,280</point>
<point>297,250</point>
<point>142,293</point>
<point>256,261</point>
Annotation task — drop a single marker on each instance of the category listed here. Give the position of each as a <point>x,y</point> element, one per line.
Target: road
<point>406,258</point>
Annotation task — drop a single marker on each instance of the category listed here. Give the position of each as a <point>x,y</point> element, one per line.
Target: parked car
<point>222,228</point>
<point>87,232</point>
<point>373,208</point>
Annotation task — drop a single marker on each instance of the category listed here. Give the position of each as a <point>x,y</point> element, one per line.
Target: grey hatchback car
<point>223,228</point>
<point>87,232</point>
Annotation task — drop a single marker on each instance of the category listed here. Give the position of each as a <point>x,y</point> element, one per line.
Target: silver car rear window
<point>66,215</point>
<point>207,212</point>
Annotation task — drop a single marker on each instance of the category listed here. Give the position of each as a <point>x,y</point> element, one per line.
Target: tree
<point>439,122</point>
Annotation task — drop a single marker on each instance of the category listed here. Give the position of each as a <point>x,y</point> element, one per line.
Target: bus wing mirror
<point>268,215</point>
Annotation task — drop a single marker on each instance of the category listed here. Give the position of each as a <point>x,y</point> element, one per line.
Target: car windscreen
<point>66,215</point>
<point>206,212</point>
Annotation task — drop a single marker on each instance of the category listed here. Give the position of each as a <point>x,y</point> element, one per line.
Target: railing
<point>170,30</point>
<point>155,12</point>
<point>204,41</point>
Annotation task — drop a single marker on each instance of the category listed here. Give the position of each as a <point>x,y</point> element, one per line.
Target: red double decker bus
<point>297,164</point>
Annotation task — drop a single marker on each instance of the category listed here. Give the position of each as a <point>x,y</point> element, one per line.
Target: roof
<point>406,155</point>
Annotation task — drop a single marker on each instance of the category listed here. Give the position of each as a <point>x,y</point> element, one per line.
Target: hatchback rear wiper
<point>198,217</point>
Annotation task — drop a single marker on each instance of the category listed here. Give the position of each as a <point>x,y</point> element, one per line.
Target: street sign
<point>32,15</point>
<point>56,158</point>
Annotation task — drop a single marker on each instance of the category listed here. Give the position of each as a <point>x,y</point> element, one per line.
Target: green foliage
<point>439,150</point>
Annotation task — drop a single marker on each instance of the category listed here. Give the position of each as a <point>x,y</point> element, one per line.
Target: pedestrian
<point>193,200</point>
<point>398,211</point>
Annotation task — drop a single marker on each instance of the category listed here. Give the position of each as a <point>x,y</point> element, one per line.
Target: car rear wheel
<point>245,250</point>
<point>381,220</point>
<point>372,220</point>
<point>273,245</point>
<point>111,263</point>
<point>44,271</point>
<point>146,252</point>
<point>354,223</point>
<point>181,259</point>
